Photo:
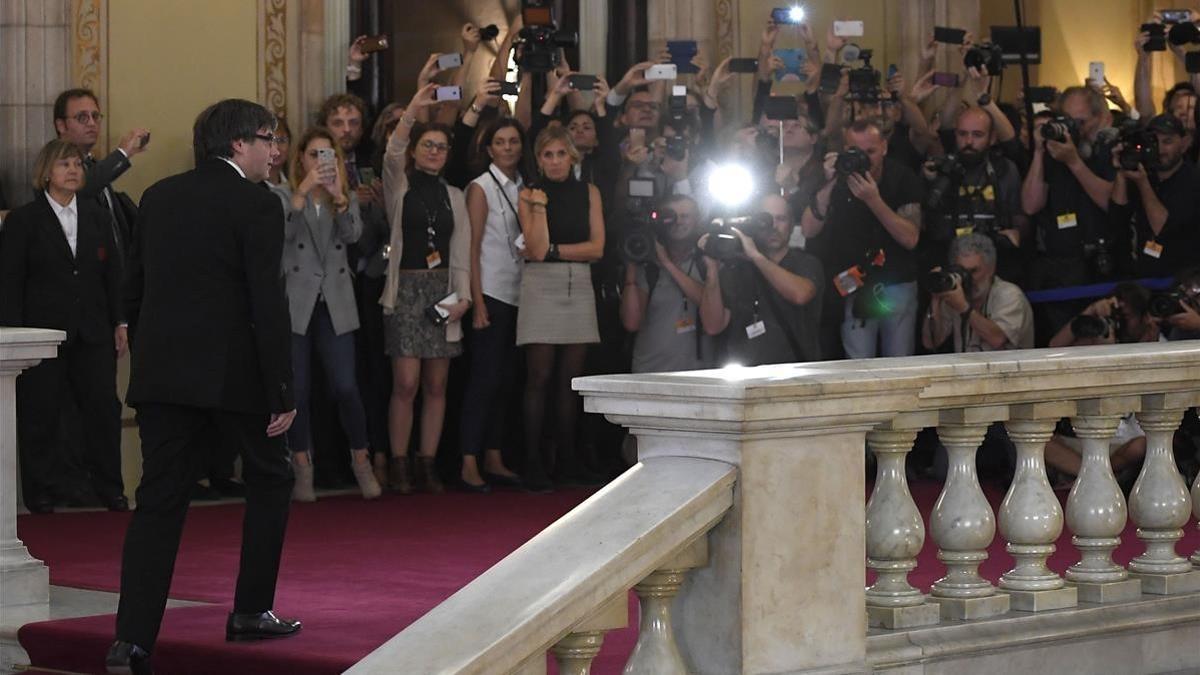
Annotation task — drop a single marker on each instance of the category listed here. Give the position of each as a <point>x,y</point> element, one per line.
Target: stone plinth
<point>1169,584</point>
<point>1042,601</point>
<point>969,609</point>
<point>1103,594</point>
<point>893,618</point>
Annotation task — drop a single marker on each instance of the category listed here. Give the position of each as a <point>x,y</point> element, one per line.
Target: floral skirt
<point>407,331</point>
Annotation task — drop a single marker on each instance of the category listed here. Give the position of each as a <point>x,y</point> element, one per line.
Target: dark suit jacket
<point>100,174</point>
<point>42,285</point>
<point>204,295</point>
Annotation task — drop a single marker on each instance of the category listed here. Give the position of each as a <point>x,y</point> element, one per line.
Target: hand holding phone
<point>740,65</point>
<point>949,36</point>
<point>326,160</point>
<point>448,61</point>
<point>661,71</point>
<point>946,79</point>
<point>581,82</point>
<point>1096,72</point>
<point>377,43</point>
<point>451,93</point>
<point>848,28</point>
<point>637,138</point>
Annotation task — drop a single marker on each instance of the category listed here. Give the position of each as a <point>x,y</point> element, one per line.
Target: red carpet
<point>356,572</point>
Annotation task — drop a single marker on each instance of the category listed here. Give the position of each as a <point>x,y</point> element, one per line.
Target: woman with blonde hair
<point>321,219</point>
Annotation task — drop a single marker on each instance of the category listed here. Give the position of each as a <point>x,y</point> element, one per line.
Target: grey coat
<point>314,263</point>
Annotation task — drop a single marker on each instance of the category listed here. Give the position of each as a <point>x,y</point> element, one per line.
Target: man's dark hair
<point>331,105</point>
<point>1134,296</point>
<point>60,103</point>
<point>865,124</point>
<point>224,122</point>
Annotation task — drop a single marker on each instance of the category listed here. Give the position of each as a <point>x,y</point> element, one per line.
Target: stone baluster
<point>575,651</point>
<point>656,652</point>
<point>895,530</point>
<point>1159,503</point>
<point>1031,519</point>
<point>962,522</point>
<point>1196,512</point>
<point>1096,510</point>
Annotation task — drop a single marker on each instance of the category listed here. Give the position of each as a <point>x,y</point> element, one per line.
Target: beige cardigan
<point>395,187</point>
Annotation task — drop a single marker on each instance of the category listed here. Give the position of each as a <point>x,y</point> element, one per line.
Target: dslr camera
<point>1088,326</point>
<point>950,173</point>
<point>1168,303</point>
<point>540,38</point>
<point>986,57</point>
<point>947,279</point>
<point>723,244</point>
<point>1139,146</point>
<point>851,160</point>
<point>1060,128</point>
<point>1101,259</point>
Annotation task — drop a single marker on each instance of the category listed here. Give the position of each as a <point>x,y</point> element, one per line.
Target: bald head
<point>973,131</point>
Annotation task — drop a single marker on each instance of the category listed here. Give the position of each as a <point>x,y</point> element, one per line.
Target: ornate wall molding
<point>89,47</point>
<point>273,49</point>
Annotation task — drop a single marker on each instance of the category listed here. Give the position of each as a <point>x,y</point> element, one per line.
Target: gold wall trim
<point>272,83</point>
<point>89,47</point>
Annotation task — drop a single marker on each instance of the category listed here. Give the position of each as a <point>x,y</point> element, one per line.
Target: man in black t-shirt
<point>867,226</point>
<point>1163,202</point>
<point>766,303</point>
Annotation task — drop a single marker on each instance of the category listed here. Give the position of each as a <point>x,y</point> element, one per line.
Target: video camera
<point>540,38</point>
<point>864,80</point>
<point>644,224</point>
<point>723,244</point>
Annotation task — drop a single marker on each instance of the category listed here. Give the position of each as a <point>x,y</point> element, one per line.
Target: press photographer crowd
<point>451,262</point>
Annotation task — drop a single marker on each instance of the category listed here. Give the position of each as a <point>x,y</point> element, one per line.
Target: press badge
<point>1153,249</point>
<point>1067,220</point>
<point>847,282</point>
<point>387,250</point>
<point>685,325</point>
<point>433,259</point>
<point>519,242</point>
<point>755,329</point>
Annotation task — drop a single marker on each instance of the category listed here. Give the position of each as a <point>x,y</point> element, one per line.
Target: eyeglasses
<point>268,138</point>
<point>281,140</point>
<point>85,117</point>
<point>432,146</point>
<point>643,105</point>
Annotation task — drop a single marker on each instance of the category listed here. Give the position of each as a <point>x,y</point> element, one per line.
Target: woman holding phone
<point>428,286</point>
<point>562,220</point>
<point>321,219</point>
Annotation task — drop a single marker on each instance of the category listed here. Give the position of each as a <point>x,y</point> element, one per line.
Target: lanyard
<point>516,216</point>
<point>431,217</point>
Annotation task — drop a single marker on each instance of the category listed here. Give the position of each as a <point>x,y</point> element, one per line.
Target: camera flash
<point>796,14</point>
<point>731,184</point>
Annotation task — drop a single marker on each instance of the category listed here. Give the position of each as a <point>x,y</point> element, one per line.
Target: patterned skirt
<point>558,305</point>
<point>407,331</point>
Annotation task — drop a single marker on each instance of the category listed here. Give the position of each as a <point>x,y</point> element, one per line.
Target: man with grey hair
<point>982,312</point>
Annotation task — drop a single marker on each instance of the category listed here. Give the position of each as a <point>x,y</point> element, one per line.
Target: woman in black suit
<point>59,269</point>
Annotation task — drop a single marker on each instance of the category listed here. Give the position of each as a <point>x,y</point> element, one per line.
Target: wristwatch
<point>984,99</point>
<point>552,254</point>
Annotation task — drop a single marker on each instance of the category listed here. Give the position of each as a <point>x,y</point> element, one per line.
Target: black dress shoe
<point>40,504</point>
<point>126,658</point>
<point>501,481</point>
<point>477,488</point>
<point>244,627</point>
<point>115,503</point>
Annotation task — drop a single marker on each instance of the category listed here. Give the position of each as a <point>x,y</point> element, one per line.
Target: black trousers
<point>176,447</point>
<point>87,373</point>
<point>490,383</point>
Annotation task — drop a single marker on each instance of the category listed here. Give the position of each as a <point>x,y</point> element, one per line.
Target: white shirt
<point>68,217</point>
<point>499,260</point>
<point>236,168</point>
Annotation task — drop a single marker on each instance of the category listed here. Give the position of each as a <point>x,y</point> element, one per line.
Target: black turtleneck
<point>426,195</point>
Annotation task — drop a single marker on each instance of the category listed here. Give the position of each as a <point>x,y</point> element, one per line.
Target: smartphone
<point>679,90</point>
<point>582,82</point>
<point>1042,94</point>
<point>448,61</point>
<point>777,108</point>
<point>1096,72</point>
<point>743,65</point>
<point>848,28</point>
<point>376,43</point>
<point>1158,37</point>
<point>831,77</point>
<point>1175,15</point>
<point>682,52</point>
<point>787,16</point>
<point>451,93</point>
<point>946,79</point>
<point>509,89</point>
<point>326,156</point>
<point>144,140</point>
<point>637,137</point>
<point>366,175</point>
<point>892,70</point>
<point>661,71</point>
<point>641,187</point>
<point>949,36</point>
<point>1191,62</point>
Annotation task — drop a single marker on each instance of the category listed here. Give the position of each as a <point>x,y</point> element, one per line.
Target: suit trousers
<point>87,373</point>
<point>176,444</point>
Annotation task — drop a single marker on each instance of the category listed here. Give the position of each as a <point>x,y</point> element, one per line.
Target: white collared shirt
<point>500,262</point>
<point>236,168</point>
<point>68,218</point>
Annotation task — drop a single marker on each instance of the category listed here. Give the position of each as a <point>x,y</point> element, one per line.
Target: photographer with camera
<point>661,297</point>
<point>765,298</point>
<point>1179,308</point>
<point>1122,317</point>
<point>1067,191</point>
<point>980,310</point>
<point>976,189</point>
<point>870,203</point>
<point>1156,188</point>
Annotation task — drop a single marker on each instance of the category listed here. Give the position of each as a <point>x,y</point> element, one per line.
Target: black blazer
<point>99,175</point>
<point>204,295</point>
<point>42,285</point>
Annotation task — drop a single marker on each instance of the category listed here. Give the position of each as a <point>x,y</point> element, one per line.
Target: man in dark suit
<point>58,269</point>
<point>77,119</point>
<point>210,336</point>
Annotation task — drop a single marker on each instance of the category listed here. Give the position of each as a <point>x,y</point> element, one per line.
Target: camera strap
<point>779,316</point>
<point>516,214</point>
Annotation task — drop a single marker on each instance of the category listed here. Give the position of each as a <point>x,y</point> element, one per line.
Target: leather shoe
<point>40,504</point>
<point>115,502</point>
<point>244,627</point>
<point>126,658</point>
<point>228,487</point>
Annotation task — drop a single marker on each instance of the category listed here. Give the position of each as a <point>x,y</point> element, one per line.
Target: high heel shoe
<point>365,475</point>
<point>427,473</point>
<point>398,476</point>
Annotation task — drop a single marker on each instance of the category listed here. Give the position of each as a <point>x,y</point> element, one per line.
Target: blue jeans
<point>894,335</point>
<point>336,353</point>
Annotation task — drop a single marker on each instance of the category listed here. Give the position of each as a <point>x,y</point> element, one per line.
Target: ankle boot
<point>365,475</point>
<point>302,489</point>
<point>398,476</point>
<point>427,471</point>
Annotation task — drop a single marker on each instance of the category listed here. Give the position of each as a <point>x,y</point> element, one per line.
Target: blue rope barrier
<point>1093,290</point>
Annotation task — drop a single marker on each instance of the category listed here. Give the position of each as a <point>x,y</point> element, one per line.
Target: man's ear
<point>60,127</point>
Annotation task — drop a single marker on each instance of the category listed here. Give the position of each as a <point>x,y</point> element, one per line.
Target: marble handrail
<point>541,592</point>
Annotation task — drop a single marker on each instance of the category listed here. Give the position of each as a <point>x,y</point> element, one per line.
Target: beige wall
<point>167,61</point>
